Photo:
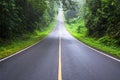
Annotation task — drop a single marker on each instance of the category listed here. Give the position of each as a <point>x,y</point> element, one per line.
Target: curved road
<point>59,57</point>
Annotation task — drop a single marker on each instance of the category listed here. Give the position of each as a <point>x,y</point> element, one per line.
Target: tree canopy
<point>18,17</point>
<point>101,17</point>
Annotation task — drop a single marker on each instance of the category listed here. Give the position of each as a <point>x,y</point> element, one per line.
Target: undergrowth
<point>104,44</point>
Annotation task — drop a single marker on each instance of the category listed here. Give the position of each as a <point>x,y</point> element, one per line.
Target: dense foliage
<point>103,20</point>
<point>101,17</point>
<point>18,17</point>
<point>71,9</point>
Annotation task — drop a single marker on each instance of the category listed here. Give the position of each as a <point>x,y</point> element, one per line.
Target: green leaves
<point>18,17</point>
<point>104,20</point>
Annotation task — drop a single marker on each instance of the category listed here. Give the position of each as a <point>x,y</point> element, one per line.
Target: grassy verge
<point>95,43</point>
<point>23,42</point>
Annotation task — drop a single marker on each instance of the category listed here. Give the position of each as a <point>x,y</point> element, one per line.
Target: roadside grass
<point>95,43</point>
<point>26,40</point>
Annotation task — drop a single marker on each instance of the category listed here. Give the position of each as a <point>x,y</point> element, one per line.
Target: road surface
<point>59,57</point>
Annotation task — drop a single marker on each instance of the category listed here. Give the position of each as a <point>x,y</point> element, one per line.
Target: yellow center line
<point>60,61</point>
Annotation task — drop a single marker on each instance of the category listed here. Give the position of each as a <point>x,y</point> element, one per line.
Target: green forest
<point>20,16</point>
<point>95,22</point>
<point>23,22</point>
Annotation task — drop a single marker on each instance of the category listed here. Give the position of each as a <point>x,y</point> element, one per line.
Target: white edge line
<point>26,47</point>
<point>17,52</point>
<point>21,50</point>
<point>105,54</point>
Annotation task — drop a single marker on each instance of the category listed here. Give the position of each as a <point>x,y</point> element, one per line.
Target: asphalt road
<point>41,61</point>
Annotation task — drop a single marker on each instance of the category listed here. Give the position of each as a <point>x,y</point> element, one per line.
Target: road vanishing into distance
<point>59,56</point>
